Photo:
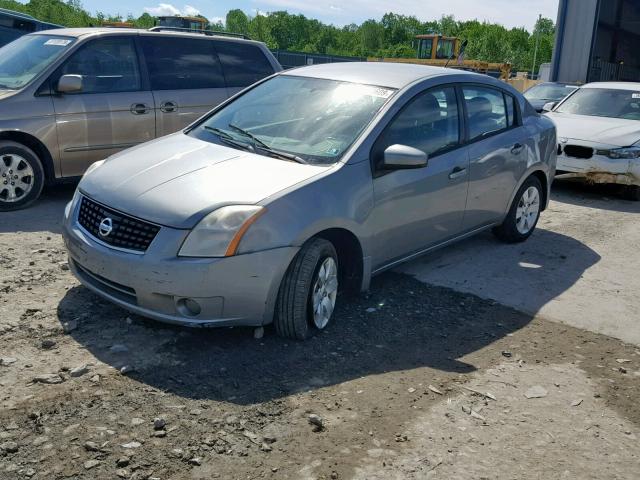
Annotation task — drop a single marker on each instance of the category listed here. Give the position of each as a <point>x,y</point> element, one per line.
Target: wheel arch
<point>38,148</point>
<point>350,256</point>
<point>540,174</point>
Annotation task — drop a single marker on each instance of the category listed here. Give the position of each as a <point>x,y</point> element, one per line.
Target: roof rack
<point>210,33</point>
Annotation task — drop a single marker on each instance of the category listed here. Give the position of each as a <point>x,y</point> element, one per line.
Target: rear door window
<point>182,63</point>
<point>486,111</point>
<point>107,65</point>
<point>243,63</point>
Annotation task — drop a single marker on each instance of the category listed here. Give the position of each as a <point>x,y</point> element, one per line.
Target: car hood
<point>611,131</point>
<point>538,103</point>
<point>7,93</point>
<point>177,180</point>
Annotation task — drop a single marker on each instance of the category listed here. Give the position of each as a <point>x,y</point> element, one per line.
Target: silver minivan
<point>70,97</point>
<point>308,182</point>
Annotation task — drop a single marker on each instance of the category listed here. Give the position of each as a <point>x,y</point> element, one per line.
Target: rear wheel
<point>308,291</point>
<point>21,176</point>
<point>524,213</point>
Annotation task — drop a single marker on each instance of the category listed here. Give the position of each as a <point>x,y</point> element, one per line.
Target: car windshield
<point>549,92</point>
<point>603,102</point>
<point>24,58</point>
<point>312,120</point>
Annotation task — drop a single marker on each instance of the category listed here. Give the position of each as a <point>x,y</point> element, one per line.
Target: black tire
<point>508,232</point>
<point>631,192</point>
<point>28,157</point>
<point>294,306</point>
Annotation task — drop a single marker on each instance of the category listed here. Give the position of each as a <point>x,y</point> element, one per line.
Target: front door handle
<point>517,148</point>
<point>457,172</point>
<point>139,108</point>
<point>168,107</point>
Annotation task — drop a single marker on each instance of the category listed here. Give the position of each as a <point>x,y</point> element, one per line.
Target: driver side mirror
<point>402,157</point>
<point>70,84</point>
<point>549,106</point>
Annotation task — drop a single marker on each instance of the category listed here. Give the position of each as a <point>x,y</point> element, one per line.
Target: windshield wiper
<point>260,145</point>
<point>248,134</point>
<point>228,139</point>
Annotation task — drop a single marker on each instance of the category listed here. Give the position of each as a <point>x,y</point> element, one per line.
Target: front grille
<point>578,151</point>
<point>126,232</point>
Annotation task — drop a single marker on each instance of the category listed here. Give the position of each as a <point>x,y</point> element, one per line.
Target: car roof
<point>614,85</point>
<point>82,32</point>
<point>383,74</point>
<point>564,84</point>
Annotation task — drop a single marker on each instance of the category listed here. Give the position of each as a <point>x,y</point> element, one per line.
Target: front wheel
<point>524,213</point>
<point>308,292</point>
<point>21,176</point>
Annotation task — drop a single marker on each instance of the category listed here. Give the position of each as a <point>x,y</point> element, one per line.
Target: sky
<point>510,13</point>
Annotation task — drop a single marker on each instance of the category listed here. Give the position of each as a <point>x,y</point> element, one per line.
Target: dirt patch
<point>88,391</point>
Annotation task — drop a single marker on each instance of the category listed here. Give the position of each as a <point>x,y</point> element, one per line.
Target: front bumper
<point>597,168</point>
<point>238,290</point>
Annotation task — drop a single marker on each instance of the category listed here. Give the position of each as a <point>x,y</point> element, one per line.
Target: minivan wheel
<point>308,291</point>
<point>21,176</point>
<point>524,213</point>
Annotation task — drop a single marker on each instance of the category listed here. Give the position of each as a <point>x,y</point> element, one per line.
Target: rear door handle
<point>457,172</point>
<point>139,108</point>
<point>517,148</point>
<point>168,107</point>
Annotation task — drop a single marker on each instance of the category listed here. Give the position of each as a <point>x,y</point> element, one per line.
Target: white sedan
<point>599,135</point>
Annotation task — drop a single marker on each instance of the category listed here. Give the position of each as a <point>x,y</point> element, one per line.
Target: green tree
<point>237,22</point>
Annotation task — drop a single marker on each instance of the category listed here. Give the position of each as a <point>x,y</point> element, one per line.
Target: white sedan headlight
<point>624,153</point>
<point>219,233</point>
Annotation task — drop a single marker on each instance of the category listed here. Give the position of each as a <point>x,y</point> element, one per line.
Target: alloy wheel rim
<point>528,210</point>
<point>324,293</point>
<point>16,178</point>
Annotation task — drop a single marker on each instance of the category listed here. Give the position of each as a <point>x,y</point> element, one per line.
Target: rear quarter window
<point>182,63</point>
<point>243,63</point>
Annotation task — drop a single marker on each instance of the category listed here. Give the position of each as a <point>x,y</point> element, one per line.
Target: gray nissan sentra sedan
<point>307,184</point>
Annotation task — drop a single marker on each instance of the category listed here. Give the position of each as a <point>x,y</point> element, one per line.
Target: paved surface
<point>581,267</point>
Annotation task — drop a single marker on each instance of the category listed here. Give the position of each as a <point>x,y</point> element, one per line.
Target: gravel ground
<point>412,381</point>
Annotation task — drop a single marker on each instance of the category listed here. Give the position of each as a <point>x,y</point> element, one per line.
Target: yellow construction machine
<point>440,51</point>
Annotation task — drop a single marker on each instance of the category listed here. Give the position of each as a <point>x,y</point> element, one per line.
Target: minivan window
<point>243,63</point>
<point>315,119</point>
<point>107,65</point>
<point>24,58</point>
<point>181,63</point>
<point>485,110</point>
<point>429,122</point>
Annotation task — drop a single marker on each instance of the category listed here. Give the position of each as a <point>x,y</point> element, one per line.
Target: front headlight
<point>622,153</point>
<point>219,233</point>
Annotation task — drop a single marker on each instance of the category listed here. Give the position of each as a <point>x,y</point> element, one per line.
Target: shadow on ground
<point>604,197</point>
<point>413,325</point>
<point>43,216</point>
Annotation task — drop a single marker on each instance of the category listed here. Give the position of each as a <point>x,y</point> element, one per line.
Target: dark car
<point>546,92</point>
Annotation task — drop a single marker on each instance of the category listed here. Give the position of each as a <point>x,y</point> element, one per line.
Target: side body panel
<point>496,166</point>
<point>175,109</point>
<point>416,208</point>
<point>93,126</point>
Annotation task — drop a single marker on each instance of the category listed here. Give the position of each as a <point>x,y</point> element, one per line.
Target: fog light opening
<point>188,307</point>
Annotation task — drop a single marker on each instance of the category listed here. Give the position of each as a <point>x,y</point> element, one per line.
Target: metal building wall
<point>575,28</point>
